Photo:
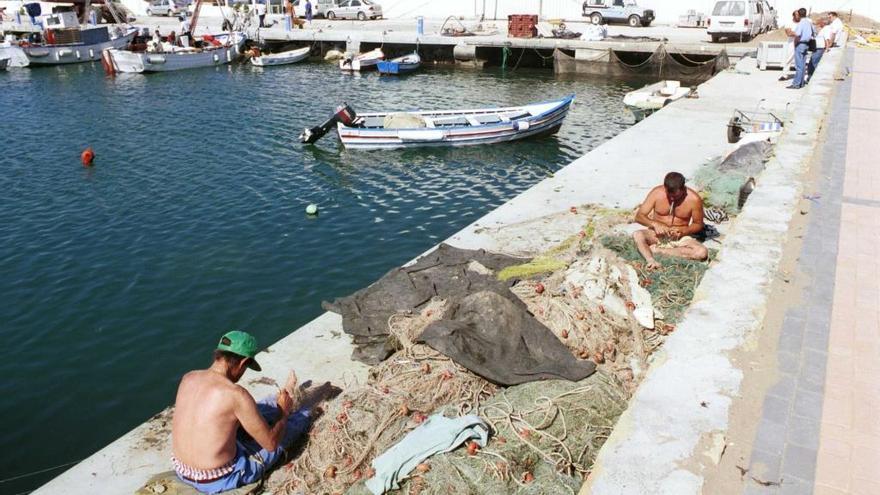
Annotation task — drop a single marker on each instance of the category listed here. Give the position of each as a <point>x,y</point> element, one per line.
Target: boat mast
<point>195,17</point>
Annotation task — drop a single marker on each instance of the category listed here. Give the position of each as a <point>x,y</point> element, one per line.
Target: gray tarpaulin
<point>500,341</point>
<point>442,273</point>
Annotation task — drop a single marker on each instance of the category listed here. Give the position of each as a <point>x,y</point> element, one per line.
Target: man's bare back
<point>207,399</point>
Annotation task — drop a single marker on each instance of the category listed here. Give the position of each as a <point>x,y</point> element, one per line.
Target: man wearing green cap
<point>222,438</point>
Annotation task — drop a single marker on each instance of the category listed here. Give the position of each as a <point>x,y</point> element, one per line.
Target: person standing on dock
<point>223,439</point>
<point>673,214</point>
<point>803,34</point>
<point>261,13</point>
<point>309,12</point>
<point>823,43</point>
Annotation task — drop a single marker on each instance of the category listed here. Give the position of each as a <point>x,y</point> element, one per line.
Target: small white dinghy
<point>390,130</point>
<point>362,61</point>
<point>282,58</point>
<point>645,101</point>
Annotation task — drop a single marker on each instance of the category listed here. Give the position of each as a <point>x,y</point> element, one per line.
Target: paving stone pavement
<point>819,431</point>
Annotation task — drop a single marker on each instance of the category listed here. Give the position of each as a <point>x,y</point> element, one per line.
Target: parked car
<point>627,11</point>
<point>355,9</point>
<point>741,19</point>
<point>166,7</point>
<point>319,7</point>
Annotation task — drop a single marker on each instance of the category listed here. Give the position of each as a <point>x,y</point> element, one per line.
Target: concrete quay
<point>643,455</point>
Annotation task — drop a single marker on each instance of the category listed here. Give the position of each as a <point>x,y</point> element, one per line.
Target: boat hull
<point>395,68</point>
<point>290,57</point>
<point>4,62</point>
<point>546,122</point>
<point>73,54</point>
<point>14,55</point>
<point>137,62</point>
<point>363,62</point>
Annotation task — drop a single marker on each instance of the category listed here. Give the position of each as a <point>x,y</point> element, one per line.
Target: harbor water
<point>119,278</point>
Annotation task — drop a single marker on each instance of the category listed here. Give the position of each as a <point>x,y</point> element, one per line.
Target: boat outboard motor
<point>343,113</point>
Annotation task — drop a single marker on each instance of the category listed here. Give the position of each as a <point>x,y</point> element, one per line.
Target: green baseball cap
<point>241,343</point>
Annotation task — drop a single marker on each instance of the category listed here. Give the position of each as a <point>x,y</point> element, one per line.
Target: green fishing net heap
<point>672,286</point>
<point>566,424</point>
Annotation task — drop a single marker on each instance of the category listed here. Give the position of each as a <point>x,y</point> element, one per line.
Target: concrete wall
<point>667,11</point>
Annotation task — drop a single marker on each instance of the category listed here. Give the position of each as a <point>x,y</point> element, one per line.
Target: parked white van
<point>741,19</point>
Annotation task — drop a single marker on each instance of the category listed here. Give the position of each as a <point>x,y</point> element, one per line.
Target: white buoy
<point>312,209</point>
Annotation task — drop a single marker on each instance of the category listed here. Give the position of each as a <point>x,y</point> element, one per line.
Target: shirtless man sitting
<point>222,438</point>
<point>673,214</point>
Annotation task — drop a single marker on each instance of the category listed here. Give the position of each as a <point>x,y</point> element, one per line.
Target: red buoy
<point>87,157</point>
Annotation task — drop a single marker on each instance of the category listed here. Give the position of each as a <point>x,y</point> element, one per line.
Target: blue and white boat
<point>400,65</point>
<point>446,127</point>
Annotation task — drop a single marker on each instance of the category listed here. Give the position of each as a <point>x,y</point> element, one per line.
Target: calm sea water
<point>117,279</point>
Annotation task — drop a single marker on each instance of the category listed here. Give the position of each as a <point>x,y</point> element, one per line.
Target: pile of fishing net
<point>545,437</point>
<point>672,286</point>
<point>591,291</point>
<point>367,419</point>
<point>727,183</point>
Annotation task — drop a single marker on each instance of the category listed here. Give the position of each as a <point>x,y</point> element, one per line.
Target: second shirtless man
<point>673,215</point>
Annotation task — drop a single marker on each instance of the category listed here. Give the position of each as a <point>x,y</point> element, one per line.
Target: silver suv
<point>166,7</point>
<point>355,9</point>
<point>627,11</point>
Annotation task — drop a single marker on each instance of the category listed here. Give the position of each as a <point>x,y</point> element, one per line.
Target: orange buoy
<point>87,157</point>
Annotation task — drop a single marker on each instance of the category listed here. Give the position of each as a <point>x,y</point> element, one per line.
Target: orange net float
<point>87,157</point>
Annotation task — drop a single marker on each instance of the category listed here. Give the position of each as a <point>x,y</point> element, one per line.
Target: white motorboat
<point>282,58</point>
<point>215,50</point>
<point>362,61</point>
<point>13,53</point>
<point>389,130</point>
<point>645,101</point>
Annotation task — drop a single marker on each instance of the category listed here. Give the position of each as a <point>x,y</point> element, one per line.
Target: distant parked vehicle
<point>627,11</point>
<point>166,7</point>
<point>319,7</point>
<point>741,19</point>
<point>355,9</point>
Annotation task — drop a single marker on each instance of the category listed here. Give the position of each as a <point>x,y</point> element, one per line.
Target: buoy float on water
<point>312,209</point>
<point>87,157</point>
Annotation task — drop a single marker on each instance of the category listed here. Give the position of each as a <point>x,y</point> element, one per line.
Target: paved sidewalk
<point>848,459</point>
<point>820,427</point>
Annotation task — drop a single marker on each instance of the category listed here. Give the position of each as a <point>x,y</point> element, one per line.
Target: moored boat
<point>213,50</point>
<point>12,52</point>
<point>442,128</point>
<point>362,61</point>
<point>282,58</point>
<point>645,101</point>
<point>4,62</point>
<point>66,42</point>
<point>400,65</point>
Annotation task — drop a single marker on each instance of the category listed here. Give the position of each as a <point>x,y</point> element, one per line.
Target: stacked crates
<point>522,26</point>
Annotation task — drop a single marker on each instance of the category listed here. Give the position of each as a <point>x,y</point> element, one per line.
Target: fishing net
<point>672,286</point>
<point>545,438</point>
<point>726,183</point>
<point>367,419</point>
<point>545,434</point>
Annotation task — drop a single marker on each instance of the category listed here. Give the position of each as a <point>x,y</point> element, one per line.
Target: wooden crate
<point>522,26</point>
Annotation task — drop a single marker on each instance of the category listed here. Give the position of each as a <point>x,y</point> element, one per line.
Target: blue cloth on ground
<point>436,435</point>
<point>251,460</point>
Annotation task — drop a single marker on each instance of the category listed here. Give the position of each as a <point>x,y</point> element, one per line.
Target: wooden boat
<point>442,128</point>
<point>645,101</point>
<point>217,50</point>
<point>362,61</point>
<point>282,58</point>
<point>400,65</point>
<point>92,42</point>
